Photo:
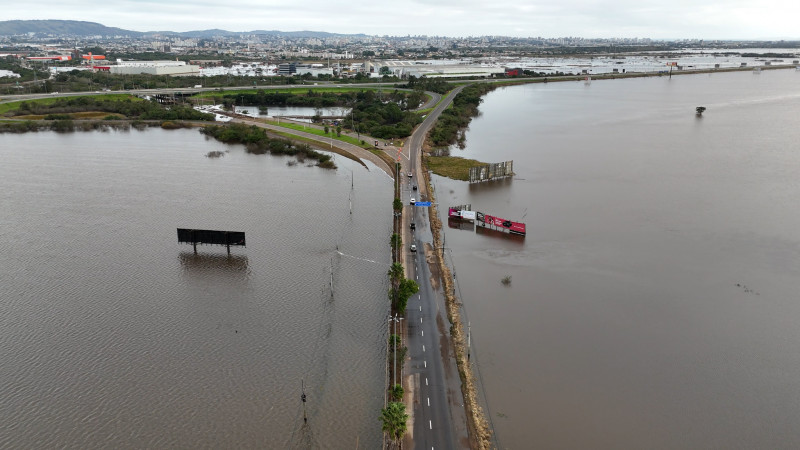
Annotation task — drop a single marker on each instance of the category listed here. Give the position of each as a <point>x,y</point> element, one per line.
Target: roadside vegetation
<point>452,120</point>
<point>437,85</point>
<point>256,141</point>
<point>394,421</point>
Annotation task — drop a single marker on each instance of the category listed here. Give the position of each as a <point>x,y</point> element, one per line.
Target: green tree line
<point>452,120</point>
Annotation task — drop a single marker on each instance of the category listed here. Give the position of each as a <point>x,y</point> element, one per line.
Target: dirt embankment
<point>480,432</point>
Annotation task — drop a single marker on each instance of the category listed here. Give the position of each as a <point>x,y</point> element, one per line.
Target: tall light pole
<point>394,347</point>
<point>469,332</point>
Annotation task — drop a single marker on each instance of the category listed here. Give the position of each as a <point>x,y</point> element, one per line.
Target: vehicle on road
<point>413,226</point>
<point>410,174</point>
<point>413,248</point>
<point>414,187</point>
<point>413,200</point>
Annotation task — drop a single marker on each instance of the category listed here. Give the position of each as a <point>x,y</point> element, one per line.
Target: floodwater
<point>115,336</point>
<point>654,302</point>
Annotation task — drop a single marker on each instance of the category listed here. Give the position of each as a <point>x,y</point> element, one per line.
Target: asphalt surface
<point>430,376</point>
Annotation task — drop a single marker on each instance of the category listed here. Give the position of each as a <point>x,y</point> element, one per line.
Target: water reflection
<point>460,224</point>
<point>516,238</point>
<point>206,263</point>
<point>488,186</point>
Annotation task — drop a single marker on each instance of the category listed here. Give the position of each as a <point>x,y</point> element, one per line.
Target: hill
<point>61,28</point>
<point>81,28</point>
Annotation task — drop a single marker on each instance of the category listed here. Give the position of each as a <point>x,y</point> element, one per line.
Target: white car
<point>413,248</point>
<point>413,200</point>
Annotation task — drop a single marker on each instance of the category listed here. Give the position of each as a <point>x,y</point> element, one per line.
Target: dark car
<point>413,226</point>
<point>414,187</point>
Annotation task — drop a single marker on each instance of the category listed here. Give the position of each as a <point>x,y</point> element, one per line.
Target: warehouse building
<point>174,68</point>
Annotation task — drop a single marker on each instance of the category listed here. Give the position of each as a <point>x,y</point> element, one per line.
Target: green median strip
<point>321,133</point>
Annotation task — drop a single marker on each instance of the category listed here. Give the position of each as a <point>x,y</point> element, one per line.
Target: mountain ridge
<point>85,28</point>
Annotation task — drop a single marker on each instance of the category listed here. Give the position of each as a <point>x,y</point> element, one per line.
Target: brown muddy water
<point>115,336</point>
<point>654,302</point>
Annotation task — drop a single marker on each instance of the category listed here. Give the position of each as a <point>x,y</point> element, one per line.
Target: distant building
<point>173,68</point>
<point>287,69</point>
<point>314,70</point>
<point>404,69</point>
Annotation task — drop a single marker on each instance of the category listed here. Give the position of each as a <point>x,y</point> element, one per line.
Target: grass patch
<point>321,144</point>
<point>453,167</point>
<point>321,133</point>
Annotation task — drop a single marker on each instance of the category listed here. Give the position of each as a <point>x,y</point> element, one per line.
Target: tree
<point>396,241</point>
<point>396,392</point>
<point>397,204</point>
<point>396,273</point>
<point>394,419</point>
<point>405,290</point>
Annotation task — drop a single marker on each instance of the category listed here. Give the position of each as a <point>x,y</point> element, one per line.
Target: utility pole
<point>303,398</point>
<point>469,332</point>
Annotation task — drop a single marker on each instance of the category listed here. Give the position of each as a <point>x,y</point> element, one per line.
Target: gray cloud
<point>715,19</point>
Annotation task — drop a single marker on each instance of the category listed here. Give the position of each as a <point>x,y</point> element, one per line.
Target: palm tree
<point>394,419</point>
<point>395,273</point>
<point>396,241</point>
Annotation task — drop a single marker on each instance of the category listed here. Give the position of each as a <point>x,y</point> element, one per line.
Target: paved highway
<point>430,374</point>
<point>434,98</point>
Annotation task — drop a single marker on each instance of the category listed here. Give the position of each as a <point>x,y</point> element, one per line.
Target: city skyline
<point>681,19</point>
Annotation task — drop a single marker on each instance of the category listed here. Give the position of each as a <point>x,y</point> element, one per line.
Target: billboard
<point>491,171</point>
<point>213,237</point>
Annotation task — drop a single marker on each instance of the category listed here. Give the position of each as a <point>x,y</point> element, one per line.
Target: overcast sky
<point>657,19</point>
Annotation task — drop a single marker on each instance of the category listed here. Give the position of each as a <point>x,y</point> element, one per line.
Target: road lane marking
<point>426,381</point>
<point>429,401</point>
<point>430,424</point>
<point>426,364</point>
<point>420,307</point>
<point>423,348</point>
<point>423,332</point>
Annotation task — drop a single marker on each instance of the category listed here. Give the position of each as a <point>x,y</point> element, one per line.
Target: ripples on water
<point>115,335</point>
<point>653,301</point>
